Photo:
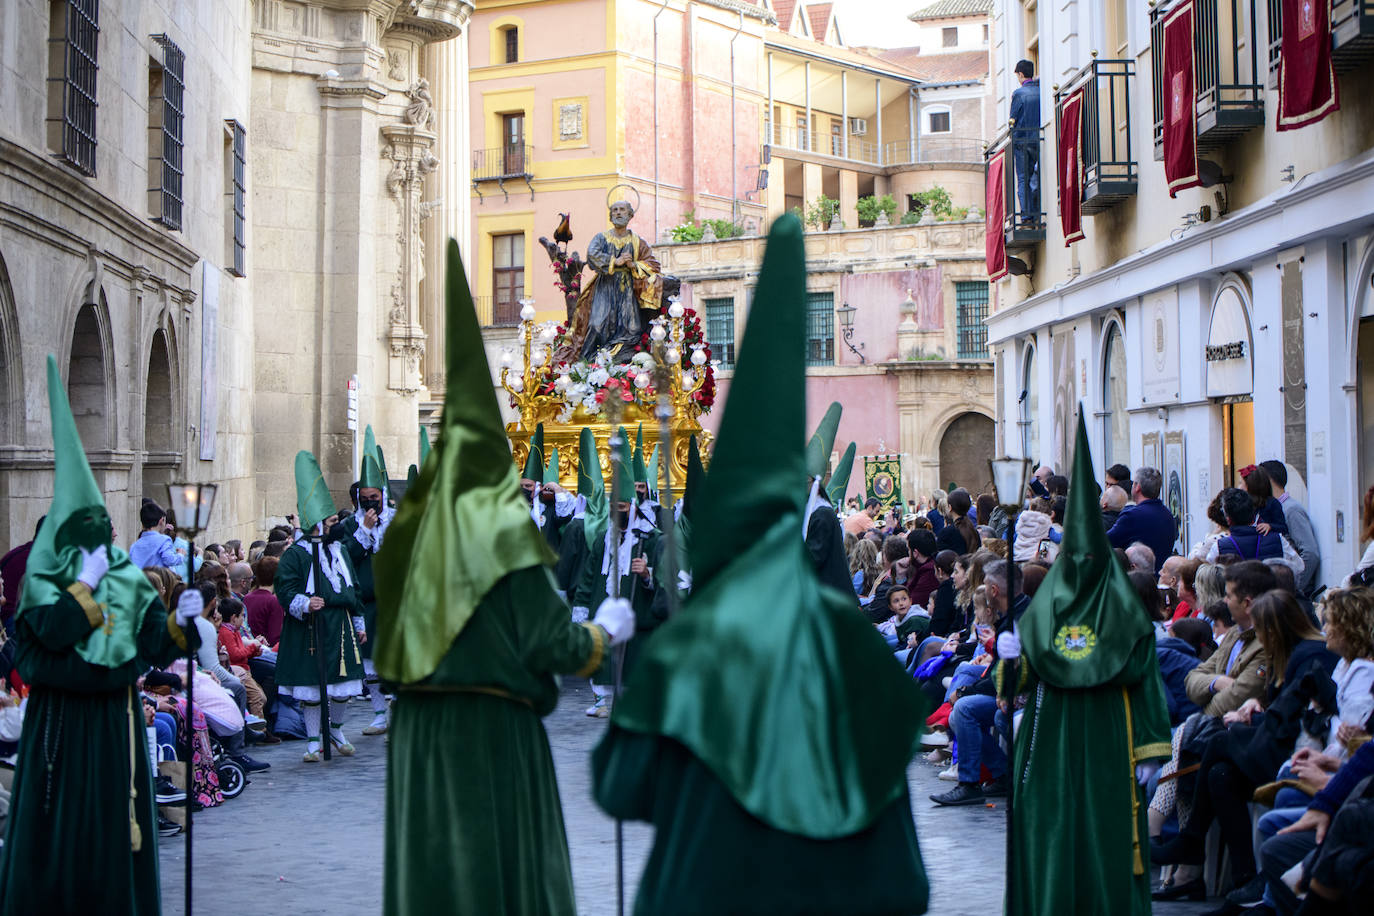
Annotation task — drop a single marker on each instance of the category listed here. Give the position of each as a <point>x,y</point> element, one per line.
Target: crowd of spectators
<point>1268,674</point>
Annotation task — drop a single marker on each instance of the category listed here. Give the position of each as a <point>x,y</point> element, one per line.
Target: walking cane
<point>317,633</point>
<point>618,654</point>
<point>664,413</point>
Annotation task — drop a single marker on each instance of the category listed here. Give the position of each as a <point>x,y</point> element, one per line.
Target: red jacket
<point>239,651</point>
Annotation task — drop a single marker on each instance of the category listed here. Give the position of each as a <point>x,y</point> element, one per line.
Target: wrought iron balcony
<point>1352,34</point>
<point>1228,95</point>
<point>1022,226</point>
<point>501,164</point>
<point>497,311</point>
<point>1110,174</point>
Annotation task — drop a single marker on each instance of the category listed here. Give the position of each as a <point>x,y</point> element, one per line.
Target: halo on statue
<point>611,198</point>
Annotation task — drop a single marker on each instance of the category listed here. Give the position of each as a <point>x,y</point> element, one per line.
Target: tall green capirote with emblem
<point>534,461</point>
<point>1095,710</point>
<point>838,487</point>
<point>822,441</point>
<point>791,795</point>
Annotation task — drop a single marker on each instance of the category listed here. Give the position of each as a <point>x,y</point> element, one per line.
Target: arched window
<point>1116,422</point>
<point>510,41</point>
<point>1030,406</point>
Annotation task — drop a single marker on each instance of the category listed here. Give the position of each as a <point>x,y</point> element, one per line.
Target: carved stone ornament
<point>410,149</point>
<point>570,121</point>
<point>420,111</point>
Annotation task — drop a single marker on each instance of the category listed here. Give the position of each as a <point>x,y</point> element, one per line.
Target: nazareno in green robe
<point>296,662</point>
<point>361,557</point>
<point>474,820</point>
<point>592,590</point>
<point>69,847</point>
<point>1080,842</point>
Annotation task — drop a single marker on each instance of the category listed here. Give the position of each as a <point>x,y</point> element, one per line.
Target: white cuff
<point>299,604</point>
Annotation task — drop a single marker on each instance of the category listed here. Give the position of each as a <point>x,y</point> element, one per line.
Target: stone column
<point>446,68</point>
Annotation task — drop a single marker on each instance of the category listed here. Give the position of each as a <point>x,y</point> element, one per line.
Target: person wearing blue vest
<point>1149,521</point>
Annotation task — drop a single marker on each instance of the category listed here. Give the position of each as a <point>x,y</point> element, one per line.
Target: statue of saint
<point>626,277</point>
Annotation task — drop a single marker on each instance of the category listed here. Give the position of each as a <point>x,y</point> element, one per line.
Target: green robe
<point>361,558</point>
<point>591,591</point>
<point>572,556</point>
<point>296,662</point>
<point>1080,842</point>
<point>474,822</point>
<point>77,855</point>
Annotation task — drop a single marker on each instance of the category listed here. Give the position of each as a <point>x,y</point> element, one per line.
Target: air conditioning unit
<point>858,127</point>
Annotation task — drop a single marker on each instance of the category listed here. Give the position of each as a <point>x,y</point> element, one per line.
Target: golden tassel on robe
<point>1137,863</point>
<point>135,834</point>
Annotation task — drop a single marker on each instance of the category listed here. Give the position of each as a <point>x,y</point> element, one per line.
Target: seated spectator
<point>1148,591</point>
<point>1248,754</point>
<point>906,625</point>
<point>985,514</point>
<point>1032,527</point>
<point>921,581</point>
<point>1186,589</point>
<point>1235,673</point>
<point>1113,500</point>
<point>1349,615</point>
<point>255,551</point>
<point>896,559</point>
<point>214,573</point>
<point>864,566</point>
<point>1140,557</point>
<point>1118,475</point>
<point>1242,537</point>
<point>942,607</point>
<point>960,538</point>
<point>154,547</point>
<point>860,522</point>
<point>264,611</point>
<point>939,508</point>
<point>1179,653</point>
<point>207,658</point>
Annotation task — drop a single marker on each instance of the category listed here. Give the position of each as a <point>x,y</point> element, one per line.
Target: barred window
<point>720,329</point>
<point>971,305</point>
<point>165,87</point>
<point>820,329</point>
<point>73,30</point>
<point>507,277</point>
<point>235,156</point>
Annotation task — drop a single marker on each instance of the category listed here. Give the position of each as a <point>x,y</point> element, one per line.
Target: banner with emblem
<point>1179,100</point>
<point>1071,168</point>
<point>883,479</point>
<point>1307,78</point>
<point>994,241</point>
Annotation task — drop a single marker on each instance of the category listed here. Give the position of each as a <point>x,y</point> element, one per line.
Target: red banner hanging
<point>1180,100</point>
<point>1307,79</point>
<point>1071,168</point>
<point>994,239</point>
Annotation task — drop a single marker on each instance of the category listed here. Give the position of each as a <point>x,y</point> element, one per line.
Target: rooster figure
<point>567,266</point>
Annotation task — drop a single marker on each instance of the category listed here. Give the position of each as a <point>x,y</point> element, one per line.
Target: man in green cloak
<point>588,522</point>
<point>637,545</point>
<point>551,506</point>
<point>743,734</point>
<point>82,835</point>
<point>822,533</point>
<point>365,529</point>
<point>323,632</point>
<point>1094,729</point>
<point>471,632</point>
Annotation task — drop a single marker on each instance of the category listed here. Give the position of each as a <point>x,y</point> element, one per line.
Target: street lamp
<point>190,505</point>
<point>846,313</point>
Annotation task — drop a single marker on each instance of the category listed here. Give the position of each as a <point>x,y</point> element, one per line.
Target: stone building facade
<point>213,215</point>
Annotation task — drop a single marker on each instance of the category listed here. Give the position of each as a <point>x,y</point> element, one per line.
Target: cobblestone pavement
<point>308,838</point>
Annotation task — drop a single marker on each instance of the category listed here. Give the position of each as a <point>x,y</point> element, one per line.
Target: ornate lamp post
<point>535,355</point>
<point>846,313</point>
<point>190,505</point>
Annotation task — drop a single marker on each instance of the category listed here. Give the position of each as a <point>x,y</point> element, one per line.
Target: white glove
<point>94,565</point>
<point>189,607</point>
<point>617,618</point>
<point>1008,645</point>
<point>1145,771</point>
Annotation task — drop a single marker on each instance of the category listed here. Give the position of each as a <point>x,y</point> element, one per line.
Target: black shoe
<point>966,793</point>
<point>167,793</point>
<point>1195,889</point>
<point>1181,850</point>
<point>249,764</point>
<point>1248,893</point>
<point>166,828</point>
<point>996,788</point>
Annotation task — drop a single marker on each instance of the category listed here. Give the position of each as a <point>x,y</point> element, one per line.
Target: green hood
<point>802,751</point>
<point>838,487</point>
<point>77,518</point>
<point>534,461</point>
<point>312,494</point>
<point>592,488</point>
<point>696,478</point>
<point>625,491</point>
<point>464,525</point>
<point>1085,618</point>
<point>371,475</point>
<point>424,447</point>
<point>550,472</point>
<point>822,442</point>
<point>641,470</point>
<point>652,474</point>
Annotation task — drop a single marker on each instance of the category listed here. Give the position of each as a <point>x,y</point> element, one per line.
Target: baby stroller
<point>233,778</point>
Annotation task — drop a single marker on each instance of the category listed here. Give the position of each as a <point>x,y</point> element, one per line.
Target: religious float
<point>629,353</point>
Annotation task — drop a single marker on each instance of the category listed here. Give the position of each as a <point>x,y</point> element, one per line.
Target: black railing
<point>500,311</point>
<point>1023,225</point>
<point>1228,95</point>
<point>1110,174</point>
<point>1352,34</point>
<point>501,164</point>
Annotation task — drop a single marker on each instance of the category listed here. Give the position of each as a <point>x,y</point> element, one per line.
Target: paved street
<point>314,835</point>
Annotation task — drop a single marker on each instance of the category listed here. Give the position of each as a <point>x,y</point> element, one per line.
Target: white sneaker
<point>935,739</point>
<point>952,774</point>
<point>939,756</point>
<point>256,723</point>
<point>601,709</point>
<point>378,726</point>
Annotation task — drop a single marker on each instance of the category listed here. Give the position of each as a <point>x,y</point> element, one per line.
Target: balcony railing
<point>1023,225</point>
<point>1228,95</point>
<point>1110,174</point>
<point>501,164</point>
<point>937,148</point>
<point>494,312</point>
<point>1352,34</point>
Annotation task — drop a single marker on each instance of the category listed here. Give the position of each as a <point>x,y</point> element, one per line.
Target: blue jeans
<point>966,673</point>
<point>166,727</point>
<point>973,720</point>
<point>1027,159</point>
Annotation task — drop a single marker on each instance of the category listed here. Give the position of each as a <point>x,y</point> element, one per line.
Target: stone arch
<point>11,367</point>
<point>161,445</point>
<point>967,439</point>
<point>1360,403</point>
<point>1113,401</point>
<point>90,373</point>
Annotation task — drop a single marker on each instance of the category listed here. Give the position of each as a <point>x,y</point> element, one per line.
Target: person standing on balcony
<point>1025,140</point>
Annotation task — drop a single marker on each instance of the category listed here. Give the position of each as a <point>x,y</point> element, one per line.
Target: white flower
<point>566,414</point>
<point>642,359</point>
<point>598,377</point>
